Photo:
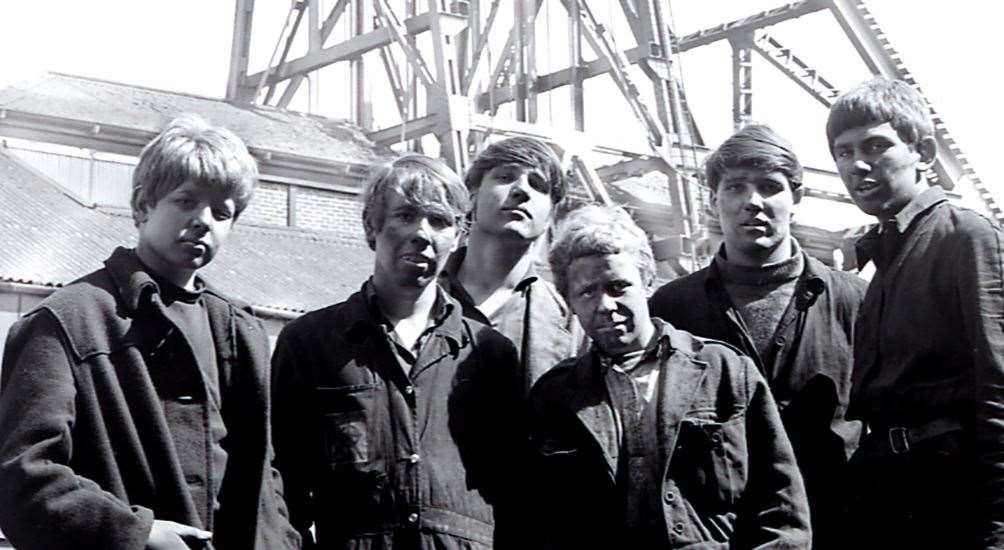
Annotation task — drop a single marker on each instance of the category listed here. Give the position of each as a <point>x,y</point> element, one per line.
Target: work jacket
<point>379,457</point>
<point>930,339</point>
<point>728,473</point>
<point>535,318</point>
<point>87,457</point>
<point>808,367</point>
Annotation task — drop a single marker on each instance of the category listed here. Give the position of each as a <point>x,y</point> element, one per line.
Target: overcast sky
<point>184,45</point>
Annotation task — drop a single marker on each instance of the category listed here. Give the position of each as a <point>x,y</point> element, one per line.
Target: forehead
<point>602,268</point>
<point>202,191</point>
<point>746,174</point>
<point>859,134</point>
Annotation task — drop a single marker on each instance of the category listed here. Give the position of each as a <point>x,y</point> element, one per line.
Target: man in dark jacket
<point>654,438</point>
<point>134,402</point>
<point>929,343</point>
<point>516,185</point>
<point>788,311</point>
<point>392,411</point>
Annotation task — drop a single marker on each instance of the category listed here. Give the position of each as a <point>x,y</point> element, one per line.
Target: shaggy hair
<point>755,147</point>
<point>595,230</point>
<point>190,149</point>
<point>523,152</point>
<point>426,183</point>
<point>878,101</point>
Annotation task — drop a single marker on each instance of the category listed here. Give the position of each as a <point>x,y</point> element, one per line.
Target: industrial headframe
<point>460,71</point>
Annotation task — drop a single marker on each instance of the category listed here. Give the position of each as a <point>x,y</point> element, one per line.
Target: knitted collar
<point>779,272</point>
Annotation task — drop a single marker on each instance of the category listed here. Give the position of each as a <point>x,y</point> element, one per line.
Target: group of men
<point>460,399</point>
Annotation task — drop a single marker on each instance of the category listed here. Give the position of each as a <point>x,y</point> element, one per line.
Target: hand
<point>168,535</point>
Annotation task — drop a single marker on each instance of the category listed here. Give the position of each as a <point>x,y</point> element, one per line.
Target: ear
<point>797,194</point>
<point>714,197</point>
<point>927,148</point>
<point>140,207</point>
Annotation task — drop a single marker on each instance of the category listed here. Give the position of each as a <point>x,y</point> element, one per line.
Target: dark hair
<point>878,101</point>
<point>424,181</point>
<point>757,147</point>
<point>191,149</point>
<point>520,151</point>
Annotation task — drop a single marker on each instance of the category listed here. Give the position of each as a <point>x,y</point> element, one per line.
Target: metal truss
<point>458,75</point>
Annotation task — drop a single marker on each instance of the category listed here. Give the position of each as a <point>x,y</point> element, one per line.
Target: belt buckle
<point>898,440</point>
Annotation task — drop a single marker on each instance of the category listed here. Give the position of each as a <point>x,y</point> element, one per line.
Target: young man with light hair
<point>790,313</point>
<point>516,185</point>
<point>393,413</point>
<point>654,438</point>
<point>929,342</point>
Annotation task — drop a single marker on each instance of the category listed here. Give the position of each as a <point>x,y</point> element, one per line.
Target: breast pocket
<point>710,462</point>
<point>345,424</point>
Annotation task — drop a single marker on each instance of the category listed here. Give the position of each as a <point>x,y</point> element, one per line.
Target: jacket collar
<point>449,280</point>
<point>362,318</point>
<point>680,374</point>
<point>811,279</point>
<point>867,245</point>
<point>133,281</point>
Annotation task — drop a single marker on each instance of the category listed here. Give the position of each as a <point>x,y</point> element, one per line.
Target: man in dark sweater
<point>788,311</point>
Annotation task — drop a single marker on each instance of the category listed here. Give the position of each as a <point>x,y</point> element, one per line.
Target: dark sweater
<point>762,293</point>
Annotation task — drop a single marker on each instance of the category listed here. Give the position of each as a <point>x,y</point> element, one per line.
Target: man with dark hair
<point>516,185</point>
<point>788,311</point>
<point>929,347</point>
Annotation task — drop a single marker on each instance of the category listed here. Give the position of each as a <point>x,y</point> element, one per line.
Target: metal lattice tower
<point>461,71</point>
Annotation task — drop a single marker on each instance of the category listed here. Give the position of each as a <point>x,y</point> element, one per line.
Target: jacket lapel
<point>592,407</point>
<point>679,379</point>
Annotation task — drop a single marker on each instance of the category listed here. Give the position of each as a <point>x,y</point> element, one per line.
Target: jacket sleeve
<point>46,505</point>
<point>290,434</point>
<point>981,293</point>
<point>276,532</point>
<point>774,512</point>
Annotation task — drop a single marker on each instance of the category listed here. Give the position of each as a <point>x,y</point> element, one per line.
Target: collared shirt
<point>535,318</point>
<point>406,356</point>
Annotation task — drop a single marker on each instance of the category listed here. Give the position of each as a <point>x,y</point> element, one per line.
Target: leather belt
<point>899,439</point>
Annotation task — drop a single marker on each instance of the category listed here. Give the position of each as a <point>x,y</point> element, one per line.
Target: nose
<point>423,230</point>
<point>521,187</point>
<point>861,166</point>
<point>606,304</point>
<point>754,200</point>
<point>202,217</point>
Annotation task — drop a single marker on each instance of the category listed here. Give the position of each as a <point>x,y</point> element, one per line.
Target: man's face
<point>608,296</point>
<point>754,209</point>
<point>184,230</point>
<point>879,169</point>
<point>513,202</point>
<point>414,242</point>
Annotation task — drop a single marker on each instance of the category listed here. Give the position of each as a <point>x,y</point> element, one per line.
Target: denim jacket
<point>381,458</point>
<point>729,478</point>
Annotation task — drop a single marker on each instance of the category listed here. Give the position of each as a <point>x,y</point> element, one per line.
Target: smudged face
<point>755,208</point>
<point>513,202</point>
<point>607,294</point>
<point>414,242</point>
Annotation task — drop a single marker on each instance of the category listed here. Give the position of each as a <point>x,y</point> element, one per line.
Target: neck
<point>398,303</point>
<point>759,257</point>
<point>493,263</point>
<point>182,278</point>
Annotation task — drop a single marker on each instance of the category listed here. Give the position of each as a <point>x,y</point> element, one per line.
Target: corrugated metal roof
<point>48,238</point>
<point>266,128</point>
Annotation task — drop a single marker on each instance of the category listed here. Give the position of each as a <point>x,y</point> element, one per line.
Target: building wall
<point>14,304</point>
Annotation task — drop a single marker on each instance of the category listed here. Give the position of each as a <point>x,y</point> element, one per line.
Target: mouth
<point>196,244</point>
<point>418,260</point>
<point>518,211</point>
<point>866,186</point>
<point>756,225</point>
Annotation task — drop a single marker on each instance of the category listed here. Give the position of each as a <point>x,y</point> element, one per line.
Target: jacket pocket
<point>709,463</point>
<point>345,429</point>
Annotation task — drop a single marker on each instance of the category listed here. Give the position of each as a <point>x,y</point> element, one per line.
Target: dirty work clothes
<point>383,459</point>
<point>808,367</point>
<point>88,439</point>
<point>727,473</point>
<point>535,318</point>
<point>930,346</point>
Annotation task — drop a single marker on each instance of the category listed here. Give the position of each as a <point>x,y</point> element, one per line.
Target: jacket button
<point>185,399</point>
<point>669,496</point>
<point>409,390</point>
<point>413,518</point>
<point>414,458</point>
<point>678,528</point>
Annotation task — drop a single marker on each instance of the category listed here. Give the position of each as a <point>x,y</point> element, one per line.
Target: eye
<point>184,202</point>
<point>222,214</point>
<point>586,293</point>
<point>539,184</point>
<point>843,154</point>
<point>618,289</point>
<point>506,175</point>
<point>876,147</point>
<point>405,216</point>
<point>440,222</point>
